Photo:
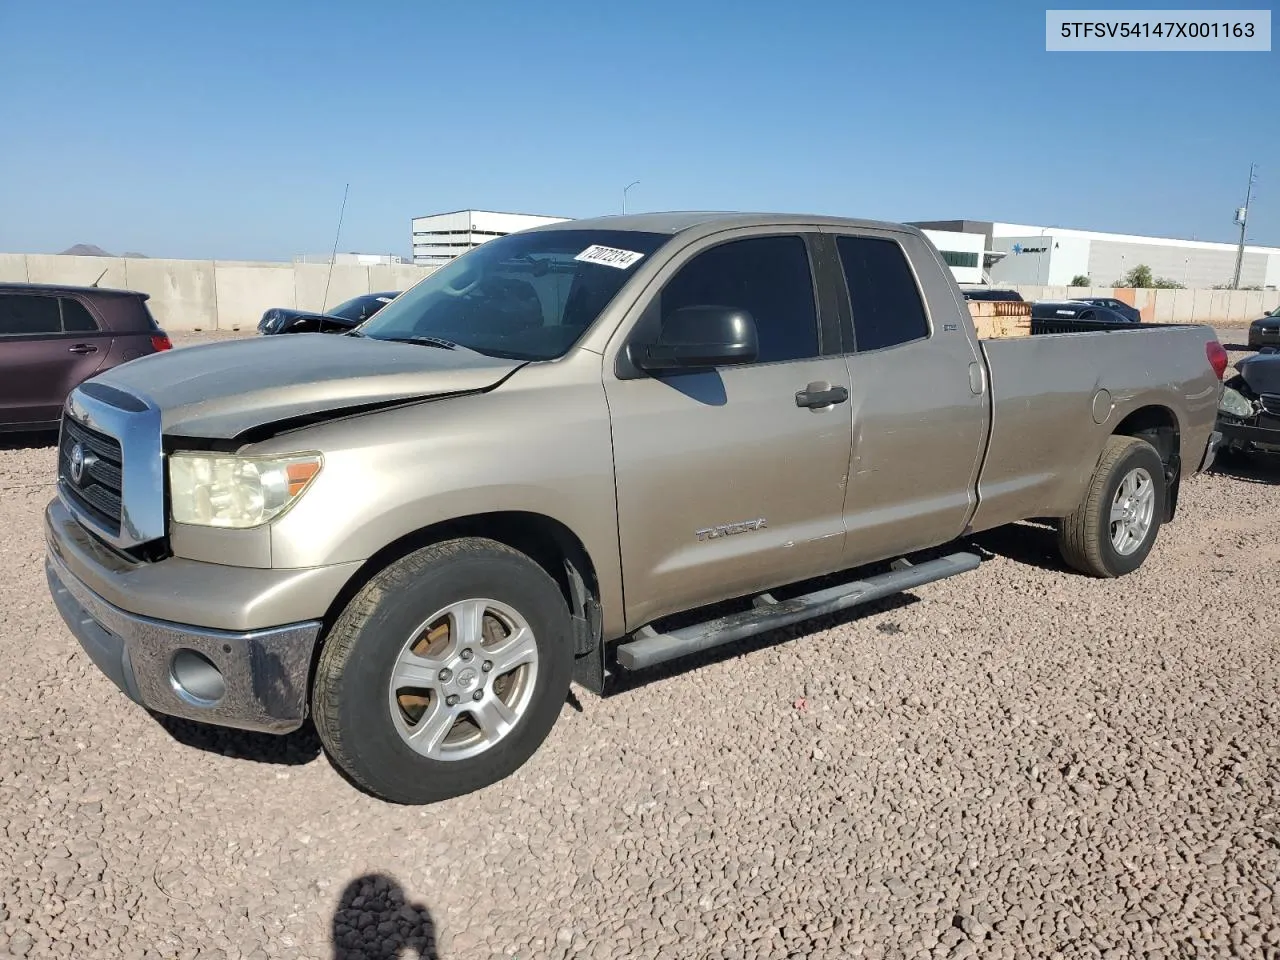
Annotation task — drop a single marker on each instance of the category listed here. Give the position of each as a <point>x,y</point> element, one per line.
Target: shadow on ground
<point>290,749</point>
<point>1253,468</point>
<point>624,681</point>
<point>1032,542</point>
<point>35,440</point>
<point>374,921</point>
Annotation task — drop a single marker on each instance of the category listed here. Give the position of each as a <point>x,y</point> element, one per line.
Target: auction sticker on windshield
<point>609,256</point>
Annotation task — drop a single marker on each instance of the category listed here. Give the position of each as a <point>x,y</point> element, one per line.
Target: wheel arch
<point>548,542</point>
<point>1158,425</point>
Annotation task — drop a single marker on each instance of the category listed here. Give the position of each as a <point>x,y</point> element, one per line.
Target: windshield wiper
<point>425,341</point>
<point>433,342</point>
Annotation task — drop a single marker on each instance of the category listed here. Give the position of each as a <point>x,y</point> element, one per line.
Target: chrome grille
<point>1271,403</point>
<point>99,488</point>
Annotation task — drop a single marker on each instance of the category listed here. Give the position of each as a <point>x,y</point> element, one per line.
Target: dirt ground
<point>1019,762</point>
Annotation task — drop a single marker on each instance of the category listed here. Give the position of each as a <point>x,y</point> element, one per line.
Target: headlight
<point>220,491</point>
<point>1236,403</point>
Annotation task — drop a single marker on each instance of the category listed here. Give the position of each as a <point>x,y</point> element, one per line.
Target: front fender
<point>538,444</point>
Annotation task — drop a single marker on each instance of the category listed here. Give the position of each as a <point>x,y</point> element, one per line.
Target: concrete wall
<point>214,294</point>
<point>231,295</point>
<point>1226,308</point>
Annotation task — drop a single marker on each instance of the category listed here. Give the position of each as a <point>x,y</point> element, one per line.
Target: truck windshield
<point>526,296</point>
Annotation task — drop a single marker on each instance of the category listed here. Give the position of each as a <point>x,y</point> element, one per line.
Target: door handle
<point>82,348</point>
<point>977,378</point>
<point>821,395</point>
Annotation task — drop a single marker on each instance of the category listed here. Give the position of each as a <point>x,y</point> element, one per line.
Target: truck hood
<point>1261,372</point>
<point>221,391</point>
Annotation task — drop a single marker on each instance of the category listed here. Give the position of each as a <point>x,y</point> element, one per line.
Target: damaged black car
<point>1249,411</point>
<point>343,317</point>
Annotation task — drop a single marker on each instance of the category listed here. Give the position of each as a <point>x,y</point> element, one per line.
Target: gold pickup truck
<point>548,459</point>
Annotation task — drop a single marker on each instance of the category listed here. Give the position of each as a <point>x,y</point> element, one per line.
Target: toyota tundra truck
<point>577,451</point>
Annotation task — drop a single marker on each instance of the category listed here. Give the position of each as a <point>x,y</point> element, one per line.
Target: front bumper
<point>264,673</point>
<point>1237,435</point>
<point>1258,338</point>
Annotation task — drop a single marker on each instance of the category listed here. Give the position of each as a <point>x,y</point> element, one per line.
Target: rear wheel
<point>445,673</point>
<point>1113,529</point>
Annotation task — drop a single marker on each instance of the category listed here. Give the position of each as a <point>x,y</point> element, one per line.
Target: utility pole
<point>624,194</point>
<point>1242,218</point>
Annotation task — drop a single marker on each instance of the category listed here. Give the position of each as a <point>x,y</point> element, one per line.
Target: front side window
<point>27,314</point>
<point>886,304</point>
<point>525,296</point>
<point>768,277</point>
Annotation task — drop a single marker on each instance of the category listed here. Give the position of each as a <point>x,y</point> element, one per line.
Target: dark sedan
<point>1265,331</point>
<point>53,338</point>
<point>1249,411</point>
<point>1130,313</point>
<point>992,293</point>
<point>1076,310</point>
<point>341,318</point>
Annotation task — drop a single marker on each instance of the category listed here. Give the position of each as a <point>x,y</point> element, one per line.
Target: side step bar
<point>649,648</point>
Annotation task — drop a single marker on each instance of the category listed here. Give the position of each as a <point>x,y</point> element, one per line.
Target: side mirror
<point>702,336</point>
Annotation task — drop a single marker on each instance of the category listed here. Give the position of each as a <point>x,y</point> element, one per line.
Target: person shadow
<point>374,921</point>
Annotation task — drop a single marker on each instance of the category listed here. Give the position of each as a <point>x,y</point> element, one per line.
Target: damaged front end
<point>1249,410</point>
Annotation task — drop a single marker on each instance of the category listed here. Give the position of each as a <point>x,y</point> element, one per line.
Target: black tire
<point>1084,537</point>
<point>350,695</point>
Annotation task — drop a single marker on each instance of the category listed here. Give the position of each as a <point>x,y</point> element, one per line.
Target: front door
<point>726,482</point>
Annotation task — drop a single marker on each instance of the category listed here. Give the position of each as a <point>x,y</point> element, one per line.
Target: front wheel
<point>1114,528</point>
<point>445,673</point>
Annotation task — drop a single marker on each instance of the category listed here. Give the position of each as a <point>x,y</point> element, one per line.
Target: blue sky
<point>228,129</point>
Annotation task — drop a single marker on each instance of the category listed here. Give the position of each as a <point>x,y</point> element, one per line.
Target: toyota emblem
<point>77,463</point>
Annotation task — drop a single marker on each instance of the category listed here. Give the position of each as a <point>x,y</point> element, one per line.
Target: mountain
<point>93,250</point>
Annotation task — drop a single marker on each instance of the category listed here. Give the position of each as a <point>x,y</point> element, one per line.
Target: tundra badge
<point>729,529</point>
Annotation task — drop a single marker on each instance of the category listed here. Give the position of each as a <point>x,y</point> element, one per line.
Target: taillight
<point>1217,357</point>
<point>160,341</point>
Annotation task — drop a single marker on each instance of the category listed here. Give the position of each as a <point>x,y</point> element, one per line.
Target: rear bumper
<point>1210,451</point>
<point>264,673</point>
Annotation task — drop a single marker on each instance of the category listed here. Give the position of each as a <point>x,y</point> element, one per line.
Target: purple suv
<point>53,338</point>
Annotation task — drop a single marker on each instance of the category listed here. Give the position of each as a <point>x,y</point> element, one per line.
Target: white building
<point>1055,256</point>
<point>963,253</point>
<point>440,237</point>
<point>354,259</point>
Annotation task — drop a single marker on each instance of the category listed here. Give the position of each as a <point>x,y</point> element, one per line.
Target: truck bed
<point>1085,383</point>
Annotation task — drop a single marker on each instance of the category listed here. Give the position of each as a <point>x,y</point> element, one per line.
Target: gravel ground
<point>1020,762</point>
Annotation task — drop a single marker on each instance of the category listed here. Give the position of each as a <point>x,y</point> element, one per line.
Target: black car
<point>1249,411</point>
<point>1083,310</point>
<point>341,318</point>
<point>1130,313</point>
<point>992,293</point>
<point>1265,331</point>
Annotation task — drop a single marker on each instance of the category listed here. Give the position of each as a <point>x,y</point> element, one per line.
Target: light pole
<point>624,194</point>
<point>1242,218</point>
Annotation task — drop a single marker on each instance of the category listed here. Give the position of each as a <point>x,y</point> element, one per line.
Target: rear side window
<point>75,318</point>
<point>25,314</point>
<point>887,309</point>
<point>768,277</point>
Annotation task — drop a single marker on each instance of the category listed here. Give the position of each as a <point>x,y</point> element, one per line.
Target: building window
<point>958,258</point>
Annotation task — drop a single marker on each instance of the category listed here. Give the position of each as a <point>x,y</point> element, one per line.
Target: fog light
<point>196,679</point>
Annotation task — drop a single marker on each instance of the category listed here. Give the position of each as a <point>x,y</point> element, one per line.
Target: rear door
<point>48,345</point>
<point>726,483</point>
<point>918,404</point>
